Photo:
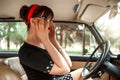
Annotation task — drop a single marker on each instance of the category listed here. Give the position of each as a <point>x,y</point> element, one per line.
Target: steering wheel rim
<point>106,46</point>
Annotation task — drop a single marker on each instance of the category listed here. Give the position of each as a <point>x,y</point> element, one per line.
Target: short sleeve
<point>36,59</point>
<point>49,67</point>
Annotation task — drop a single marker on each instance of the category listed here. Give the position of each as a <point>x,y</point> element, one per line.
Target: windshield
<point>110,30</point>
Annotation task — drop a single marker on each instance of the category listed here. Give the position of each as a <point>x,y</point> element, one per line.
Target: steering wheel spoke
<point>89,67</point>
<point>93,67</point>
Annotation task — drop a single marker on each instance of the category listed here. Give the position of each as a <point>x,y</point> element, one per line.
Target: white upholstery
<point>15,65</point>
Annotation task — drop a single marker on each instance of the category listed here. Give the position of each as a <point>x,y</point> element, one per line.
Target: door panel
<point>77,64</point>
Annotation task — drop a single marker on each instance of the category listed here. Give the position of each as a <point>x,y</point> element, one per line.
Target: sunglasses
<point>47,19</point>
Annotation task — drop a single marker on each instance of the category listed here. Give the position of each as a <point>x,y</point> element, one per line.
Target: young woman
<point>41,55</point>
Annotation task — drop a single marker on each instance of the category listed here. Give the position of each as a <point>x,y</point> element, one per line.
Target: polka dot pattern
<point>64,77</point>
<point>49,67</point>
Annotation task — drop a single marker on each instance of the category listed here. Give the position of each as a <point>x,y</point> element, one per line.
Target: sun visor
<point>91,10</point>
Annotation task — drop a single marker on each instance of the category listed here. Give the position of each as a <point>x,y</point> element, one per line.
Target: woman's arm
<point>60,67</point>
<point>52,37</point>
<point>63,53</point>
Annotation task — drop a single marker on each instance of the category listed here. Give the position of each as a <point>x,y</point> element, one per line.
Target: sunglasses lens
<point>46,19</point>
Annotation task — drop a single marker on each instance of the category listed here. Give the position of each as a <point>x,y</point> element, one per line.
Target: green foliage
<point>74,52</point>
<point>11,32</point>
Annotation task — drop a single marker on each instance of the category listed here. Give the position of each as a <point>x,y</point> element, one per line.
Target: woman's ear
<point>32,22</point>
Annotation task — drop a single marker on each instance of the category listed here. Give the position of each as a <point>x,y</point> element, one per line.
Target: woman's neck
<point>35,42</point>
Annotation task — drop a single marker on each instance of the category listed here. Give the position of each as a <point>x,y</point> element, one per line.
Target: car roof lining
<point>88,12</point>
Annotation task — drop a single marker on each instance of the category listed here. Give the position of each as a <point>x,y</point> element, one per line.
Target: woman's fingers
<point>47,25</point>
<point>41,24</point>
<point>41,28</point>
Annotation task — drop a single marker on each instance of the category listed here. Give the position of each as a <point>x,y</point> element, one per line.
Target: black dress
<point>37,63</point>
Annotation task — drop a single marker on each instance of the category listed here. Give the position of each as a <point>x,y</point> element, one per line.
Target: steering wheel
<point>87,73</point>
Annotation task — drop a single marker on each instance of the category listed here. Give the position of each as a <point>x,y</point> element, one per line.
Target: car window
<point>69,35</point>
<point>109,28</point>
<point>12,35</point>
<point>74,37</point>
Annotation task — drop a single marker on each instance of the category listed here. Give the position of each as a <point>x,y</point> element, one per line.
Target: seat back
<point>6,73</point>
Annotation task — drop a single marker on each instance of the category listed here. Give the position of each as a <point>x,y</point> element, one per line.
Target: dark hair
<point>38,11</point>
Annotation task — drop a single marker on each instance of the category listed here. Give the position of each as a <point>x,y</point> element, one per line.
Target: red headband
<point>30,13</point>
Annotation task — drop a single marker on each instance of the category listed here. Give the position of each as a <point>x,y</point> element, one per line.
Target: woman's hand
<point>41,28</point>
<point>52,33</point>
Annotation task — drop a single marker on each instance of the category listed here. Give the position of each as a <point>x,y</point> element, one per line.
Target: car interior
<point>88,30</point>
